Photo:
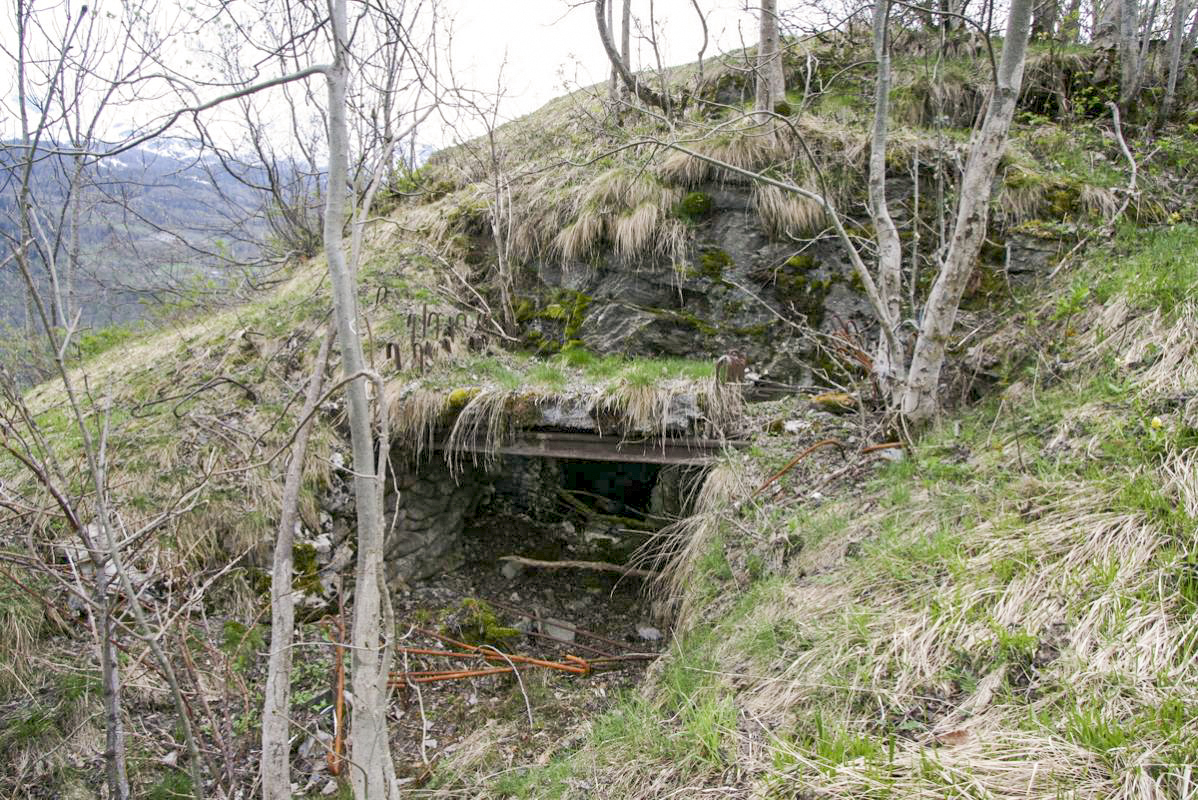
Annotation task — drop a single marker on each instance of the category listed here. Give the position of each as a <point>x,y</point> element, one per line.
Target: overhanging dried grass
<point>677,550</point>
<point>786,214</point>
<point>633,211</point>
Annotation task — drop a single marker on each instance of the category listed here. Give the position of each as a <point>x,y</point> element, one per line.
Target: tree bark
<point>372,769</point>
<point>921,399</point>
<point>613,80</point>
<point>1129,52</point>
<point>114,737</point>
<point>643,93</point>
<point>276,740</point>
<point>1181,9</point>
<point>771,82</point>
<point>626,43</point>
<point>1071,23</point>
<point>1047,15</point>
<point>889,358</point>
<point>1106,25</point>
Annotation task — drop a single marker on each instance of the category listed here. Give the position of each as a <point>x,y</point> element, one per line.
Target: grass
<point>1007,612</point>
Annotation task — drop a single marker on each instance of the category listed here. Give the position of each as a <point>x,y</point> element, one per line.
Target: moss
<point>693,207</point>
<point>458,398</point>
<point>1064,200</point>
<point>689,319</point>
<point>797,286</point>
<point>802,261</point>
<point>306,576</point>
<point>712,263</point>
<point>479,625</point>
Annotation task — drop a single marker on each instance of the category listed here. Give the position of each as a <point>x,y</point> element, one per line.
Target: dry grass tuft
<point>416,414</point>
<point>785,214</point>
<point>485,422</point>
<point>582,237</point>
<point>630,209</point>
<point>753,149</point>
<point>677,551</point>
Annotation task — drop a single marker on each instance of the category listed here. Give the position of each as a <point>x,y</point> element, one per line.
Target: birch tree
<point>1181,10</point>
<point>986,146</point>
<point>771,82</point>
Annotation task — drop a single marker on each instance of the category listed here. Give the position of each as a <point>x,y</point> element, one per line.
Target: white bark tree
<point>890,358</point>
<point>771,81</point>
<point>921,397</point>
<point>1181,10</point>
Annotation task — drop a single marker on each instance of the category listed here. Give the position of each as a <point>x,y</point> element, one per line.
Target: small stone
<point>557,629</point>
<point>329,788</point>
<point>511,570</point>
<point>323,545</point>
<point>792,426</point>
<point>431,744</point>
<point>567,528</point>
<point>648,633</point>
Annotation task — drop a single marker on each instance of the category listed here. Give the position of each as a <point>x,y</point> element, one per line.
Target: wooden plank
<point>592,447</point>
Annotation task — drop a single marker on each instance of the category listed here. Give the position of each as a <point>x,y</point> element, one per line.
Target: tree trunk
<point>372,770</point>
<point>986,148</point>
<point>626,43</point>
<point>1044,22</point>
<point>276,740</point>
<point>771,82</point>
<point>889,360</point>
<point>1129,52</point>
<point>1106,25</point>
<point>1071,23</point>
<point>643,93</point>
<point>1181,9</point>
<point>114,738</point>
<point>613,80</point>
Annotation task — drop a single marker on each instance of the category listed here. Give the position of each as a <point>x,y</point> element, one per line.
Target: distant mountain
<point>152,218</point>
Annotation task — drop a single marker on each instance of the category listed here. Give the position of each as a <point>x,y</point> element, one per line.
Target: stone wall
<point>424,535</point>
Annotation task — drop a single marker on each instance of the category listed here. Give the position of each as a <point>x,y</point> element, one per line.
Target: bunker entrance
<point>569,513</point>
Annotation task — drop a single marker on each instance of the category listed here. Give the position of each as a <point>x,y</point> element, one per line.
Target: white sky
<point>551,46</point>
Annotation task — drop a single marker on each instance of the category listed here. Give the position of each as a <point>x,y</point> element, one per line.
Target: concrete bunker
<point>564,479</point>
<point>543,508</point>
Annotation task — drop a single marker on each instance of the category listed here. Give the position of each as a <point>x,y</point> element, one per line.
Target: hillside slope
<point>1004,608</point>
<point>1009,610</point>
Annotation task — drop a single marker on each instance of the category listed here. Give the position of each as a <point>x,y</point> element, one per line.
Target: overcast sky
<point>552,46</point>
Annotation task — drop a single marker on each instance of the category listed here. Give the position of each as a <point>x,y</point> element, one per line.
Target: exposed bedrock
<point>424,534</point>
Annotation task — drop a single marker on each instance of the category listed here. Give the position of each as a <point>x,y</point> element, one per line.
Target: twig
<point>1131,183</point>
<point>790,464</point>
<point>600,566</point>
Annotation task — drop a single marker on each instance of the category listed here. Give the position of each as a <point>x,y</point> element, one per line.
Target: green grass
<point>1154,267</point>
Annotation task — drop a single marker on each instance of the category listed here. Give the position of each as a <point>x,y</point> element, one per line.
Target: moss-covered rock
<point>694,206</point>
<point>712,263</point>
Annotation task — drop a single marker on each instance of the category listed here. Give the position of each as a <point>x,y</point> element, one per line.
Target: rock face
<point>423,533</point>
<point>729,296</point>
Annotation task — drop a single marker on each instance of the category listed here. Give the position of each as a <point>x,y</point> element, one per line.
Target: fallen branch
<point>1130,192</point>
<point>873,448</point>
<point>790,464</point>
<point>600,566</point>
